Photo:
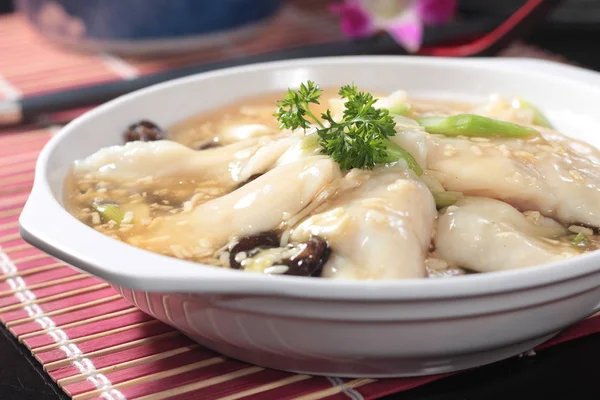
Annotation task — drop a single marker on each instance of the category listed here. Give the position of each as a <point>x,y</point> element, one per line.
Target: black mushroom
<point>144,131</point>
<point>311,258</point>
<point>307,259</point>
<point>252,244</point>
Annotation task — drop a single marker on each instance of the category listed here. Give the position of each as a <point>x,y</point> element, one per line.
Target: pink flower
<point>356,23</point>
<point>404,20</point>
<point>436,12</point>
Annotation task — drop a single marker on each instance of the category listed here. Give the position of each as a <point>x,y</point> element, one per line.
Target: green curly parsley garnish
<point>359,140</point>
<point>294,108</point>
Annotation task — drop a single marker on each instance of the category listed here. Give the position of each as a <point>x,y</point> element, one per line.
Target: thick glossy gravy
<point>152,200</point>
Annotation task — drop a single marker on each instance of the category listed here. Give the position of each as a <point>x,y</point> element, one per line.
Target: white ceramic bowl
<point>321,326</point>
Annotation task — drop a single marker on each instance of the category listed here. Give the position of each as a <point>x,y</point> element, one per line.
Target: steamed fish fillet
<point>379,230</point>
<point>266,157</point>
<point>241,132</point>
<point>487,235</point>
<point>260,205</point>
<point>166,159</point>
<point>531,174</point>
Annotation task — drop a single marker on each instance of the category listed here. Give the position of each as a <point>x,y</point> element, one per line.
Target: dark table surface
<point>568,371</point>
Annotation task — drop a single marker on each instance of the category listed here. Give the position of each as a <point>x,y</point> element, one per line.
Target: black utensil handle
<point>86,96</point>
<point>92,95</point>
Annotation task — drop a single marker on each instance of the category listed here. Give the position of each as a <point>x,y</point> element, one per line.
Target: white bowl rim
<point>168,274</point>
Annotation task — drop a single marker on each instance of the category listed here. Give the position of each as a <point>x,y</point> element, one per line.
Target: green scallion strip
<point>395,153</point>
<point>403,109</point>
<point>310,142</point>
<point>474,126</point>
<point>445,199</point>
<point>580,240</point>
<point>109,212</point>
<point>538,117</point>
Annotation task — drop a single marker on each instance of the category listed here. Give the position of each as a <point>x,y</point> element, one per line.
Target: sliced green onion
<point>432,183</point>
<point>580,240</point>
<point>538,117</point>
<point>396,103</point>
<point>109,212</point>
<point>395,153</point>
<point>472,125</point>
<point>403,109</point>
<point>445,199</point>
<point>310,142</point>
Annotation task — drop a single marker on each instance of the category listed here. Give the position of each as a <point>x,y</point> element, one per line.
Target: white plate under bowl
<point>322,326</point>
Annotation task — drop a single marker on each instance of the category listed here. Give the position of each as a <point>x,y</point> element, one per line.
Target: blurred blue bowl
<point>146,27</point>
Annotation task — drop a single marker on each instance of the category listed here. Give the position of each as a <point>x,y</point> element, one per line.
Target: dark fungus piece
<point>145,131</point>
<point>309,261</point>
<point>250,179</point>
<point>264,240</point>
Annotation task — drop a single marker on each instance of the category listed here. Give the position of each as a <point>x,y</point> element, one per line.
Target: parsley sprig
<point>294,108</point>
<point>359,140</point>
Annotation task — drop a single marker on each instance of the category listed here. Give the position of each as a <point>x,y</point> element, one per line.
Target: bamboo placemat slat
<point>93,342</point>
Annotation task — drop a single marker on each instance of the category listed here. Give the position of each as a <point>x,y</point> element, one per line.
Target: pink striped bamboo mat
<point>90,340</point>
